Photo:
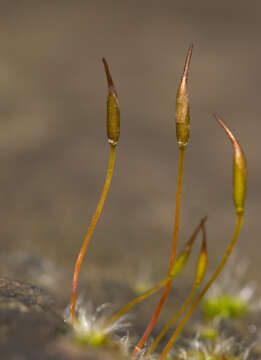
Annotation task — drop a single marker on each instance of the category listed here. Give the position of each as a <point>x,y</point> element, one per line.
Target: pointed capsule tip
<point>203,220</point>
<point>204,239</point>
<point>187,62</point>
<point>108,75</point>
<point>231,136</point>
<point>193,237</point>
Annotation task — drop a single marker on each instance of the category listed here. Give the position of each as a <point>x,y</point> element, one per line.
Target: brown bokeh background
<point>53,149</point>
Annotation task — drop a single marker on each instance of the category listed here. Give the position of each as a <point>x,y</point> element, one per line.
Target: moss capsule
<point>113,109</point>
<point>182,106</point>
<point>239,170</point>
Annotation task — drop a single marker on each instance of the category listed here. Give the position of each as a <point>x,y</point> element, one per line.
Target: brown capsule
<point>113,109</point>
<point>240,170</point>
<point>182,106</point>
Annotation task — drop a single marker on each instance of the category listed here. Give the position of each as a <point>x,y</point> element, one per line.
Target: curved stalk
<point>93,223</point>
<point>199,276</point>
<point>163,298</point>
<point>175,270</point>
<point>239,221</point>
<point>239,193</point>
<point>137,300</point>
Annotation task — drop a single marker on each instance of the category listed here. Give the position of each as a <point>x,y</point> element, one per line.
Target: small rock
<point>29,320</point>
<point>32,327</point>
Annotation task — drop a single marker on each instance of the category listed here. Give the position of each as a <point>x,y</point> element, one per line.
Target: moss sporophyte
<point>98,335</point>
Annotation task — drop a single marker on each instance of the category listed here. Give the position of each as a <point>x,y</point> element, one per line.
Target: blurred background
<point>53,147</point>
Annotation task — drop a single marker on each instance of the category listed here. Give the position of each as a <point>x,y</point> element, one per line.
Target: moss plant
<point>90,328</point>
<point>224,306</point>
<point>182,134</point>
<point>239,191</point>
<point>209,333</point>
<point>95,333</point>
<point>176,269</point>
<point>199,276</point>
<point>215,348</point>
<point>113,133</point>
<point>232,295</point>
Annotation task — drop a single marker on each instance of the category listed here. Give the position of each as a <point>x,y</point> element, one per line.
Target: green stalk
<point>199,276</point>
<point>176,269</point>
<point>239,193</point>
<point>204,290</point>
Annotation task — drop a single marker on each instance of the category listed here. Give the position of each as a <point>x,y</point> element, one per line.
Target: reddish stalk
<point>172,259</point>
<point>177,268</point>
<point>194,305</point>
<point>239,193</point>
<point>113,133</point>
<point>200,273</point>
<point>182,133</point>
<point>94,220</point>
